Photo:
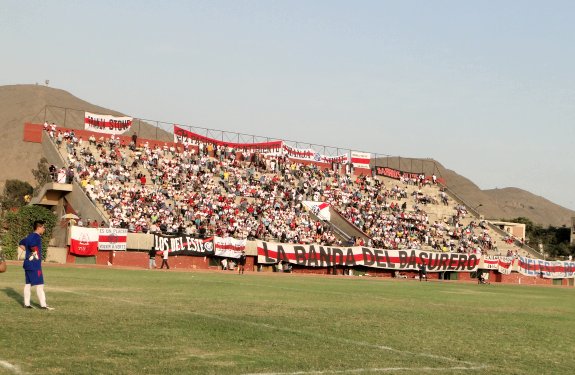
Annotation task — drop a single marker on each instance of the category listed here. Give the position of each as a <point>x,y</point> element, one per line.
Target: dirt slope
<point>27,103</point>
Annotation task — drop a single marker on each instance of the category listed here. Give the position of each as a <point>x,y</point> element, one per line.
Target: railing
<point>334,228</point>
<point>163,131</point>
<point>340,232</point>
<point>492,226</point>
<point>75,182</point>
<point>340,215</point>
<point>516,242</point>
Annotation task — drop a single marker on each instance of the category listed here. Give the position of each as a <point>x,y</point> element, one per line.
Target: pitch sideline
<point>360,370</point>
<point>10,367</point>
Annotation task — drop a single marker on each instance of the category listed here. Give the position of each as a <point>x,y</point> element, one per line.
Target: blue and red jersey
<point>33,244</point>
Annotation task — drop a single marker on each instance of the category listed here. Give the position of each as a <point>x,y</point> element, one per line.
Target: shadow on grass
<point>10,292</point>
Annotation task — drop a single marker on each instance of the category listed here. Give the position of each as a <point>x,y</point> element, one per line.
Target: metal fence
<point>163,131</point>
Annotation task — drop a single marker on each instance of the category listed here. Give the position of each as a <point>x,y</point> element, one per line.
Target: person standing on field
<point>152,256</point>
<point>165,259</point>
<point>423,272</point>
<point>32,245</point>
<point>242,262</point>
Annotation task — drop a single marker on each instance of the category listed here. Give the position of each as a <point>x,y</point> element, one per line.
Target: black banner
<point>184,245</point>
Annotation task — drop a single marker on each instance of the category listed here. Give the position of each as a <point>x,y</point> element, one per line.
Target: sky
<point>487,88</point>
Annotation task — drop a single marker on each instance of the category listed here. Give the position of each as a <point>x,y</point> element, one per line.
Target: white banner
<point>489,262</point>
<point>229,247</point>
<point>312,155</point>
<point>319,209</point>
<point>545,268</point>
<point>112,239</point>
<point>106,123</point>
<point>360,160</point>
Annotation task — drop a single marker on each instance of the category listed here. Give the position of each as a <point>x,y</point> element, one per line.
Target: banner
<point>229,247</point>
<point>489,262</point>
<point>184,245</point>
<point>397,174</point>
<point>340,159</point>
<point>185,136</point>
<point>401,260</point>
<point>319,209</point>
<point>502,264</point>
<point>545,268</point>
<point>112,239</point>
<point>360,160</point>
<point>505,265</point>
<point>312,155</point>
<point>106,123</point>
<point>83,241</point>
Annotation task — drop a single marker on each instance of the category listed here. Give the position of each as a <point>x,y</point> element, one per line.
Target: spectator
<point>165,259</point>
<point>152,256</point>
<point>242,262</point>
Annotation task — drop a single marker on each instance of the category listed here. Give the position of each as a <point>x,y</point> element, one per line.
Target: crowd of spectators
<point>213,191</point>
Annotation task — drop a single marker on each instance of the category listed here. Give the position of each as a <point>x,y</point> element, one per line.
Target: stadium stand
<point>202,189</point>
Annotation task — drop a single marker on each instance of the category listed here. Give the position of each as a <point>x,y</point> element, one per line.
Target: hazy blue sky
<point>487,88</point>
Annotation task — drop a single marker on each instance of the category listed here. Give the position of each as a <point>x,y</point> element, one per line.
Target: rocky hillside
<point>27,103</point>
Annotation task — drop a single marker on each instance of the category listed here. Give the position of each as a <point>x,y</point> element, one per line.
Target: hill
<point>496,204</point>
<point>27,103</point>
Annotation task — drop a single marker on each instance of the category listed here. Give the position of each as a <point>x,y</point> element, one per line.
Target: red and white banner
<point>505,265</point>
<point>319,209</point>
<point>329,256</point>
<point>360,160</point>
<point>312,155</point>
<point>340,159</point>
<point>83,241</point>
<point>545,268</point>
<point>397,174</point>
<point>229,247</point>
<point>112,239</point>
<point>407,260</point>
<point>489,262</point>
<point>502,264</point>
<point>106,123</point>
<point>301,153</point>
<point>185,136</point>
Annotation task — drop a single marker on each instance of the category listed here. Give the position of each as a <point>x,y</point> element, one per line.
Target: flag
<point>112,238</point>
<point>360,160</point>
<point>319,209</point>
<point>83,241</point>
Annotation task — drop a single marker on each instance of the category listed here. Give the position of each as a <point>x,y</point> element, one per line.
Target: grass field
<point>114,321</point>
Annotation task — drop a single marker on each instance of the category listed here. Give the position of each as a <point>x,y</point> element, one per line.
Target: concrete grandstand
<point>202,189</point>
